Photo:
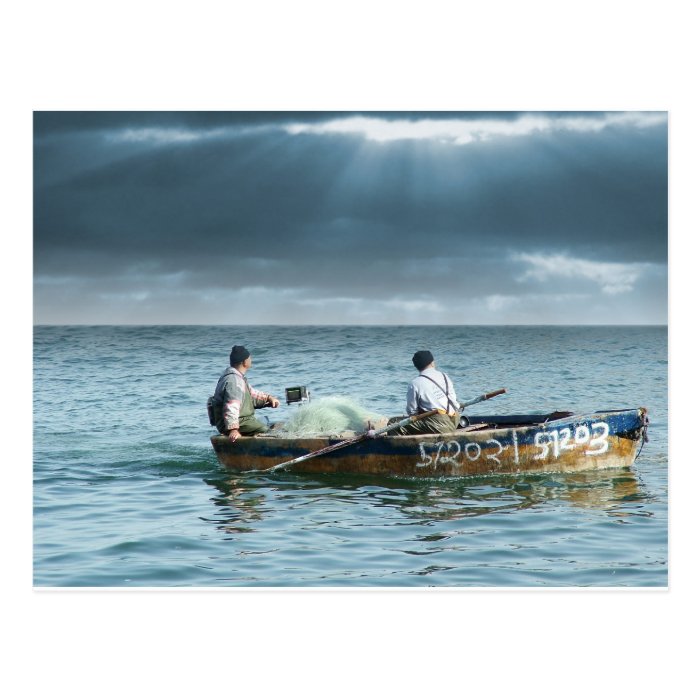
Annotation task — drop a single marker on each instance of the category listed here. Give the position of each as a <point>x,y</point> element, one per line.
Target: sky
<point>350,217</point>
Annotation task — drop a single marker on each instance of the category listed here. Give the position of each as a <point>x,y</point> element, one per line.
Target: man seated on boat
<point>430,390</point>
<point>235,400</point>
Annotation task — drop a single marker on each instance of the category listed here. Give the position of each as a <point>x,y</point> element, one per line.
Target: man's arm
<point>411,400</point>
<point>261,399</point>
<point>232,400</point>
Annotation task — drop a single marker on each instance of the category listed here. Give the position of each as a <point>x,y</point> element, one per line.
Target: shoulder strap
<point>445,391</point>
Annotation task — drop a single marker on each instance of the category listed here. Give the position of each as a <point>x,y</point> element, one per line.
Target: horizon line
<point>362,325</point>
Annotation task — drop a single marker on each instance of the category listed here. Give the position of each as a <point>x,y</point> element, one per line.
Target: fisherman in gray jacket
<point>235,400</point>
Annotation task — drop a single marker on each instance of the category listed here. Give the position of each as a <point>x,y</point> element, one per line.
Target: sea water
<point>128,492</point>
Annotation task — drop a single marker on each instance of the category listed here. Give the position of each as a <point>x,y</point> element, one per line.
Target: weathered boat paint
<point>572,443</point>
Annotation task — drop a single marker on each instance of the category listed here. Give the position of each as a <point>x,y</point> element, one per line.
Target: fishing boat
<point>482,445</point>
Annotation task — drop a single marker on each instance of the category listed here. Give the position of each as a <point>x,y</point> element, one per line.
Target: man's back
<point>430,390</point>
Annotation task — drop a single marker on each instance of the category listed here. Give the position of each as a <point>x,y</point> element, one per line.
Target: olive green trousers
<point>248,424</point>
<point>438,423</point>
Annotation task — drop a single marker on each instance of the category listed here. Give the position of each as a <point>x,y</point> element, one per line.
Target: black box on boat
<point>297,394</point>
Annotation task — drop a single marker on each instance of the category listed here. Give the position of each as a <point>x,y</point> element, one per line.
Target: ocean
<point>127,491</point>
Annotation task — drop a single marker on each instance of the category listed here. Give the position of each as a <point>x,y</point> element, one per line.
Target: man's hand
<point>234,435</point>
<point>274,402</point>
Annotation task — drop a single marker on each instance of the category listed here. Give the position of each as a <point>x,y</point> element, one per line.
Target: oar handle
<point>483,397</point>
<point>493,393</point>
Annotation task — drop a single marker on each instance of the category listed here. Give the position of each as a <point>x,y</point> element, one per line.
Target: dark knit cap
<point>238,355</point>
<point>422,359</point>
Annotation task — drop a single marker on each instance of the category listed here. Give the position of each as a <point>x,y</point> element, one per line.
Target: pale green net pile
<point>329,415</point>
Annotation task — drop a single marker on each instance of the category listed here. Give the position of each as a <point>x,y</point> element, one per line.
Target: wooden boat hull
<point>573,443</point>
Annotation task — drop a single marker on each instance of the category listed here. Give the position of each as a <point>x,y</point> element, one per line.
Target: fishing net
<point>330,415</point>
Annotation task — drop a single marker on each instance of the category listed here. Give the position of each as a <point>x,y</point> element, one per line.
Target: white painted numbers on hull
<point>561,440</point>
<point>550,443</point>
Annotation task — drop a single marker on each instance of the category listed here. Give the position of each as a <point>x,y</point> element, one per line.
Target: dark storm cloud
<point>227,201</point>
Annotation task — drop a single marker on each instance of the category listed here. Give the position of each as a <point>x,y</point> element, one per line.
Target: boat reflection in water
<point>244,501</point>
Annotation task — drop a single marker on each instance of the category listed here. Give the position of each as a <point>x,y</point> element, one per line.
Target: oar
<point>368,434</point>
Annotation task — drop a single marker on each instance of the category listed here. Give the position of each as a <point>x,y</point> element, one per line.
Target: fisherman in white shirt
<point>430,390</point>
